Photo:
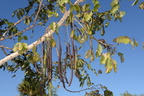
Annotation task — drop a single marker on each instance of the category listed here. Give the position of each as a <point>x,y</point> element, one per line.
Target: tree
<point>40,64</point>
<point>128,94</point>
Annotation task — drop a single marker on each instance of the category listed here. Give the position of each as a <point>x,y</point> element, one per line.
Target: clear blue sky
<point>130,73</point>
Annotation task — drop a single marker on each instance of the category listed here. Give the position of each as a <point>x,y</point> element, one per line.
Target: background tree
<point>39,63</point>
<point>129,94</point>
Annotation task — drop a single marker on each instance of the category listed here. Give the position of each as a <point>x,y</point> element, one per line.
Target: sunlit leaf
<point>114,65</point>
<point>87,16</point>
<point>103,59</point>
<point>82,39</point>
<point>92,56</point>
<point>88,54</point>
<point>20,47</point>
<point>89,66</point>
<point>114,9</point>
<point>99,50</point>
<point>108,65</point>
<point>77,8</point>
<point>122,13</point>
<point>53,25</point>
<point>106,24</point>
<point>96,7</point>
<point>141,6</point>
<point>85,7</point>
<point>27,21</point>
<point>122,39</point>
<point>114,2</point>
<point>61,2</point>
<point>53,43</point>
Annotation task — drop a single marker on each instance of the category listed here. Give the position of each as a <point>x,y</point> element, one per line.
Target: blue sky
<point>130,73</point>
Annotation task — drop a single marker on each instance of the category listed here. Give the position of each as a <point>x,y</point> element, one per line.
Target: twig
<point>14,25</point>
<point>78,22</point>
<point>4,51</point>
<point>5,47</point>
<point>18,33</point>
<point>38,12</point>
<point>103,43</point>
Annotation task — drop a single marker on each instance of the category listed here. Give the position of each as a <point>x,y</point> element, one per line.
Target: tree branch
<point>38,11</point>
<point>40,40</point>
<point>14,25</point>
<point>5,47</point>
<point>18,33</point>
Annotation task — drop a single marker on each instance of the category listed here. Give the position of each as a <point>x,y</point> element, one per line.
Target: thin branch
<point>4,51</point>
<point>5,47</point>
<point>78,22</point>
<point>18,33</point>
<point>102,41</point>
<point>38,12</point>
<point>13,26</point>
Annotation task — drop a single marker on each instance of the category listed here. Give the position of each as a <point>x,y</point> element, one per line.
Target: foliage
<point>41,68</point>
<point>129,94</point>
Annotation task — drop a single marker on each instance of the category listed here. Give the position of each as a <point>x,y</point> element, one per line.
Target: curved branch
<point>40,40</point>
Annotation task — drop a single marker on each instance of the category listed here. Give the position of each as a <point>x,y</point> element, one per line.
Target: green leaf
<point>82,39</point>
<point>114,2</point>
<point>50,13</point>
<point>95,2</point>
<point>121,56</point>
<point>102,32</point>
<point>20,38</point>
<point>89,32</point>
<point>92,56</point>
<point>108,65</point>
<point>114,65</point>
<point>135,2</point>
<point>53,25</point>
<point>77,8</point>
<point>141,6</point>
<point>34,49</point>
<point>96,6</point>
<point>89,66</point>
<point>35,57</point>
<point>103,59</point>
<point>114,9</point>
<point>122,39</point>
<point>62,9</point>
<point>106,24</point>
<point>27,21</point>
<point>87,16</point>
<point>122,13</point>
<point>61,2</point>
<point>108,93</point>
<point>25,38</point>
<point>134,43</point>
<point>88,54</point>
<point>86,7</point>
<point>72,34</point>
<point>53,43</point>
<point>20,47</point>
<point>99,50</point>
